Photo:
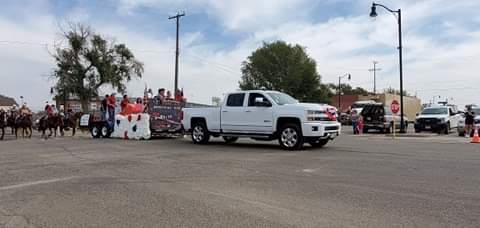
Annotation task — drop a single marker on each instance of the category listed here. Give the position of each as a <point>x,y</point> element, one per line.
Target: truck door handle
<point>224,111</point>
<point>248,111</point>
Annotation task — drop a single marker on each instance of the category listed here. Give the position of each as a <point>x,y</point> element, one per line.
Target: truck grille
<point>331,128</point>
<point>322,118</point>
<point>428,121</point>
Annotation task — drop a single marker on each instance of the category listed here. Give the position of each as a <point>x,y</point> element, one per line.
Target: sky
<point>441,40</point>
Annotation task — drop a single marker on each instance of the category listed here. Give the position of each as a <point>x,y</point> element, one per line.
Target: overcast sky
<point>441,42</point>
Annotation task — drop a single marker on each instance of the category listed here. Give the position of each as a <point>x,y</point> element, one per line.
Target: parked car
<point>437,119</point>
<point>461,122</point>
<point>263,115</point>
<point>379,117</point>
<point>359,105</point>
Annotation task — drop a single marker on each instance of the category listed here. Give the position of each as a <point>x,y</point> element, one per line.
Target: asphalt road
<point>361,181</point>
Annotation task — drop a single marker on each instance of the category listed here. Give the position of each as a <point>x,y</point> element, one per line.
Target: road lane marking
<point>27,184</point>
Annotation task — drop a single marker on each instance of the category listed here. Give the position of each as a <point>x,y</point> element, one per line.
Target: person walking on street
<point>354,119</point>
<point>469,122</point>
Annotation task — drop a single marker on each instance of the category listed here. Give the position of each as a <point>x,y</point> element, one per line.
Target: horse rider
<point>13,110</point>
<point>24,112</point>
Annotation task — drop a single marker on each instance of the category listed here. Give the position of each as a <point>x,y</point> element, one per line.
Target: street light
<point>340,90</point>
<point>398,13</point>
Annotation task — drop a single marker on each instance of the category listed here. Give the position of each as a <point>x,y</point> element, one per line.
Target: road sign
<point>395,106</point>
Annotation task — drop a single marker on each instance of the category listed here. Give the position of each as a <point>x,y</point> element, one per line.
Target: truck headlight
<point>313,115</point>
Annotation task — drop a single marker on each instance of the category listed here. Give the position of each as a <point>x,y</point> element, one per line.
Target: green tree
<point>88,61</point>
<point>395,91</point>
<point>346,89</point>
<point>283,67</point>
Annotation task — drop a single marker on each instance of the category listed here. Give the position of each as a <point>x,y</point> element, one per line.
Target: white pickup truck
<point>263,115</point>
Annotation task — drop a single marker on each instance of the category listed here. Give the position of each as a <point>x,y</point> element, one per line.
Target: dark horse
<point>71,121</point>
<point>52,123</point>
<point>11,121</point>
<point>25,123</point>
<point>3,122</point>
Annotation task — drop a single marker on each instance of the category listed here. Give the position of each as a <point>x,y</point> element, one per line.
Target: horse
<point>25,123</point>
<point>51,123</point>
<point>3,122</point>
<point>72,121</point>
<point>11,121</point>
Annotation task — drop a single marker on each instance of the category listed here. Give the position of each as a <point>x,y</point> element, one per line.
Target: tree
<point>346,89</point>
<point>283,67</point>
<point>89,62</point>
<point>395,91</point>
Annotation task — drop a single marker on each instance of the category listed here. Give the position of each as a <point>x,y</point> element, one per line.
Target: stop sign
<point>395,106</point>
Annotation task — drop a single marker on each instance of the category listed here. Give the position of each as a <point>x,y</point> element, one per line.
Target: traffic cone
<point>476,138</point>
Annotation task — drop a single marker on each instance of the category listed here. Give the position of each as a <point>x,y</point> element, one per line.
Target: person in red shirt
<point>111,103</point>
<point>124,102</point>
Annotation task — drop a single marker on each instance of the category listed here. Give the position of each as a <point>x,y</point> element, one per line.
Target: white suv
<point>438,119</point>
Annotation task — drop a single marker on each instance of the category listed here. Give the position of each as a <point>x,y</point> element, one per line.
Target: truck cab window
<point>235,100</point>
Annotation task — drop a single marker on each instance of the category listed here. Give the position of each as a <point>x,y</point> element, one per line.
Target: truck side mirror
<point>262,102</point>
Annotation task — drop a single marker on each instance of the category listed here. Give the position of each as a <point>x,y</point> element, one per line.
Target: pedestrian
<point>469,122</point>
<point>360,124</point>
<point>354,117</point>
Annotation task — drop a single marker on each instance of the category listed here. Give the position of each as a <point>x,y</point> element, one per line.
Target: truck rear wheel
<point>105,131</point>
<point>95,131</point>
<point>291,137</point>
<point>200,134</point>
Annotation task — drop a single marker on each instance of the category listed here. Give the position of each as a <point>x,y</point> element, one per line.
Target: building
<point>6,103</point>
<point>412,105</point>
<point>76,105</point>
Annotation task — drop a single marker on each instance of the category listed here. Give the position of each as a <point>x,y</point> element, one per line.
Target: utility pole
<point>177,52</point>
<point>374,70</point>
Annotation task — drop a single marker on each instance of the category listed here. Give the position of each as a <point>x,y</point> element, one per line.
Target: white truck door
<point>454,117</point>
<point>259,114</point>
<point>232,114</point>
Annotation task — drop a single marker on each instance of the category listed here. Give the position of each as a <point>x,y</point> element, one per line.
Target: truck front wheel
<point>200,134</point>
<point>290,137</point>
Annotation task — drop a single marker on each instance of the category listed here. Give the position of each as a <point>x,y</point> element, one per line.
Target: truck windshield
<point>435,111</point>
<point>282,99</point>
<point>359,105</point>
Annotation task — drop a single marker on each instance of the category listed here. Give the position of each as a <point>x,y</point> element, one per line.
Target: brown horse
<point>3,122</point>
<point>72,122</point>
<point>52,123</point>
<point>24,122</point>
